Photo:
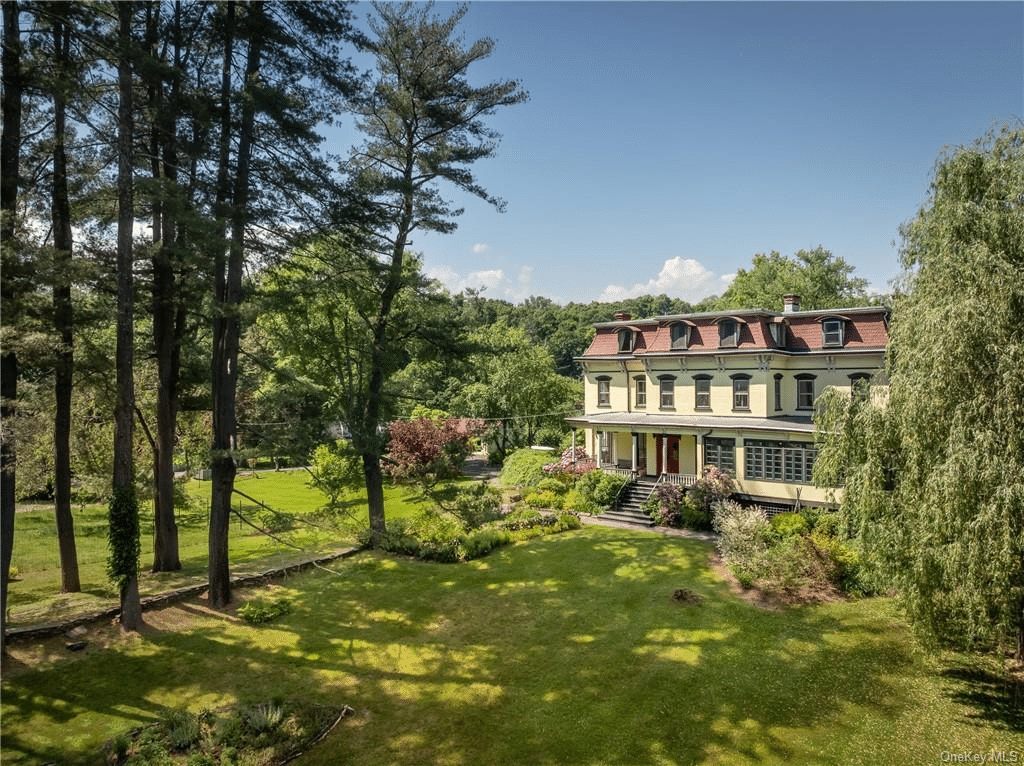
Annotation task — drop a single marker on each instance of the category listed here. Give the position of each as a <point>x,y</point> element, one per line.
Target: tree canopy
<point>821,279</point>
<point>933,475</point>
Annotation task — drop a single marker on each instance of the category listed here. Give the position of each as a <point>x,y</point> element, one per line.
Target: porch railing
<point>682,479</point>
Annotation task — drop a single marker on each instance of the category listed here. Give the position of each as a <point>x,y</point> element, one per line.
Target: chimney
<point>790,303</point>
<point>622,316</point>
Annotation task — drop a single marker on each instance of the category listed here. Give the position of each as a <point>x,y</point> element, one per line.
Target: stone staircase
<point>629,507</point>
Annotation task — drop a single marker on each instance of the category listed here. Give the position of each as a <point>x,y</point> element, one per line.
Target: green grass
<point>564,650</point>
<point>33,596</point>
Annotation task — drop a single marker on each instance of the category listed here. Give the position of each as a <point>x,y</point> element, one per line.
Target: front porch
<point>670,458</point>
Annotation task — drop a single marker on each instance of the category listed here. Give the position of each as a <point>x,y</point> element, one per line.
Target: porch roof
<point>658,422</point>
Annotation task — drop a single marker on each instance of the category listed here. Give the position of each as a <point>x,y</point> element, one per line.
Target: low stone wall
<point>46,630</point>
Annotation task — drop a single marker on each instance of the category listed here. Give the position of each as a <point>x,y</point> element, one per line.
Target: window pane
<point>667,393</point>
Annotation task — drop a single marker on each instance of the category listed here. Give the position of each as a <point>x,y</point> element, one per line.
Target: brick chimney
<point>622,316</point>
<point>790,303</point>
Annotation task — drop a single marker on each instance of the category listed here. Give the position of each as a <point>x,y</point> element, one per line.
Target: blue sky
<point>666,143</point>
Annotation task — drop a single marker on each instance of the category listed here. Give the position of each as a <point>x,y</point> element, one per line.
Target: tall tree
<point>291,80</point>
<point>933,477</point>
<point>124,504</point>
<point>821,279</point>
<point>10,143</point>
<point>424,125</point>
<point>63,314</point>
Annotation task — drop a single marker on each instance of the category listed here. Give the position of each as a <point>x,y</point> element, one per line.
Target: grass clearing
<point>33,598</point>
<point>568,649</point>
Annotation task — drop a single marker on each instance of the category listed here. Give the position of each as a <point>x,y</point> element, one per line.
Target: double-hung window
<point>680,335</point>
<point>728,333</point>
<point>778,392</point>
<point>741,392</point>
<point>702,392</point>
<point>805,392</point>
<point>604,391</point>
<point>667,389</point>
<point>640,392</point>
<point>832,332</point>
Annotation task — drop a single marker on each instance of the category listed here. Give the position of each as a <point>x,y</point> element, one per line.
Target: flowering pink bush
<point>574,462</point>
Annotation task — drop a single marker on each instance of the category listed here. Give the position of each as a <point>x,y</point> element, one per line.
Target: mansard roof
<point>865,328</point>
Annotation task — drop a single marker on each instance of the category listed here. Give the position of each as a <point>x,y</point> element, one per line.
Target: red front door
<point>673,453</point>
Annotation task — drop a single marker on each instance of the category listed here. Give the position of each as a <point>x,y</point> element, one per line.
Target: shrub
<point>400,537</point>
<point>599,487</point>
<point>665,504</point>
<point>742,534</point>
<point>483,541</point>
<point>694,516</point>
<point>181,729</point>
<point>520,520</point>
<point>552,484</point>
<point>576,502</point>
<point>259,612</point>
<point>544,499</point>
<point>574,462</point>
<point>829,524</point>
<point>714,486</point>
<point>568,520</point>
<point>524,468</point>
<point>477,505</point>
<point>840,563</point>
<point>788,524</point>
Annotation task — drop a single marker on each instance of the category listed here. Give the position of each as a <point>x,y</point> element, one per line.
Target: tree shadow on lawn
<point>567,649</point>
<point>571,650</point>
<point>993,699</point>
<point>64,714</point>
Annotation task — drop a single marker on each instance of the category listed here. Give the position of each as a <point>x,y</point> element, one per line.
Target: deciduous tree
<point>821,279</point>
<point>933,477</point>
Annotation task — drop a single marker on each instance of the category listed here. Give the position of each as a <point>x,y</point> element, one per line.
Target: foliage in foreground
<point>438,535</point>
<point>673,506</point>
<point>433,658</point>
<point>262,734</point>
<point>799,555</point>
<point>932,473</point>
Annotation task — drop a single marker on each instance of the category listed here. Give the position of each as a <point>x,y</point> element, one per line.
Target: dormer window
<point>625,340</point>
<point>728,333</point>
<point>680,334</point>
<point>778,331</point>
<point>832,332</point>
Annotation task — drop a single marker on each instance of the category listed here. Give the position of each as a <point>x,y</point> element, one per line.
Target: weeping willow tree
<point>934,474</point>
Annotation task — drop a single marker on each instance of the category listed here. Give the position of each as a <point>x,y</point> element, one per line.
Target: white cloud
<point>494,282</point>
<point>480,247</point>
<point>679,278</point>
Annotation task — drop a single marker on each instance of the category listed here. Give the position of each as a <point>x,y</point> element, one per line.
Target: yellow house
<point>669,395</point>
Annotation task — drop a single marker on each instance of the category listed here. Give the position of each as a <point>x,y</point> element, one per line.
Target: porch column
<point>635,452</point>
<point>664,453</point>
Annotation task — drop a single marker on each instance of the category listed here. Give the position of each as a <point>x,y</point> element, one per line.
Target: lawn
<point>567,649</point>
<point>33,598</point>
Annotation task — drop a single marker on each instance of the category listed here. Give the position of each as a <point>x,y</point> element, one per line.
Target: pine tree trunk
<point>124,413</point>
<point>166,328</point>
<point>10,143</point>
<point>63,322</point>
<point>227,332</point>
